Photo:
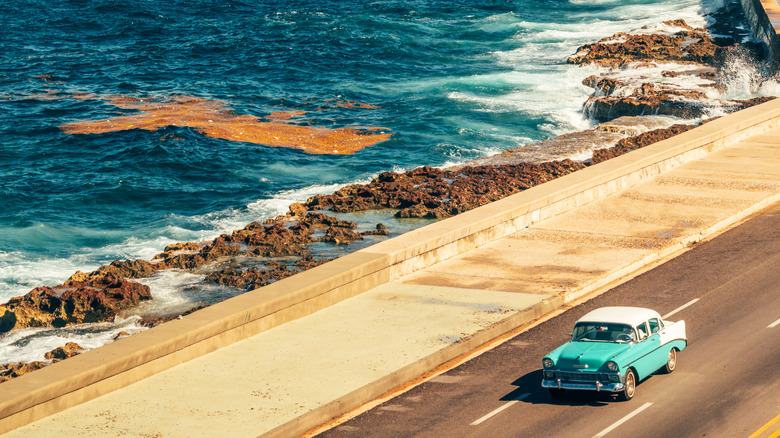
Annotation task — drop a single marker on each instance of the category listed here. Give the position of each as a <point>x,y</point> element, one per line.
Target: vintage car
<point>612,349</point>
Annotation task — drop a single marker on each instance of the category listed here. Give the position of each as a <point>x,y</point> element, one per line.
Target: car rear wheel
<point>630,389</point>
<point>671,361</point>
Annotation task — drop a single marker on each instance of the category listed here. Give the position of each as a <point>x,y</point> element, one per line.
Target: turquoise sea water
<point>453,80</point>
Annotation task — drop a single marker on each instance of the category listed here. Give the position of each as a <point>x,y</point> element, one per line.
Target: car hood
<point>584,355</point>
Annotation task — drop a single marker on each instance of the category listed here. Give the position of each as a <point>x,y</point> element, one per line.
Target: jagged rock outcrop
<point>97,300</point>
<point>68,350</point>
<point>428,192</point>
<point>647,95</point>
<point>689,45</point>
<point>632,143</point>
<point>647,99</point>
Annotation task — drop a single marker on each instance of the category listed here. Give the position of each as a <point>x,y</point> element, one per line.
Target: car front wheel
<point>628,392</point>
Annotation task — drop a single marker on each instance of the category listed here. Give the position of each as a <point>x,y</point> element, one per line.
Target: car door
<point>660,355</point>
<point>648,346</point>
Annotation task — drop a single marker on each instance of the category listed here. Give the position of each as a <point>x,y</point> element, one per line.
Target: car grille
<point>581,377</point>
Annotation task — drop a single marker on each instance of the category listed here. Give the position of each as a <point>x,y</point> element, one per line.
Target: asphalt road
<point>727,382</point>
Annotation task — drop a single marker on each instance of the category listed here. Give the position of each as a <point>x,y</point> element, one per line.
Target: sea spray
<point>743,76</point>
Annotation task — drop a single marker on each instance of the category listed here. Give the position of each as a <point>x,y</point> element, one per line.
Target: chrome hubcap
<point>630,385</point>
<point>672,359</point>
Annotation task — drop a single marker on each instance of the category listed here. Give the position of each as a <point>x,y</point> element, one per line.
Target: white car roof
<point>620,315</point>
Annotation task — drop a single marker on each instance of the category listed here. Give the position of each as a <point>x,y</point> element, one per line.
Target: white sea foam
<point>743,78</point>
<point>32,344</point>
<point>19,272</point>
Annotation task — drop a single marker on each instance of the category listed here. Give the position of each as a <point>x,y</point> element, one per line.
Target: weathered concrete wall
<point>764,19</point>
<point>131,359</point>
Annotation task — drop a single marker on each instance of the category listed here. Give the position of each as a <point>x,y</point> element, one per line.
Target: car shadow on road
<point>531,384</point>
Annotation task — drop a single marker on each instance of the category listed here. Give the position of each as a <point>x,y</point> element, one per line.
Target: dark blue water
<point>453,80</point>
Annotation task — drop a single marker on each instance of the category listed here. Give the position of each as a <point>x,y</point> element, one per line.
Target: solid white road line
<point>774,324</point>
<point>689,303</point>
<point>622,420</point>
<point>497,411</point>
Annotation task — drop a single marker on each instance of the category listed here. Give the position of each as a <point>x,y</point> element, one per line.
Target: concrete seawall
<point>764,19</point>
<point>90,375</point>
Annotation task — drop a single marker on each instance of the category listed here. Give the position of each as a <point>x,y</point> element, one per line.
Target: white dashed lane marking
<point>622,420</point>
<point>499,410</point>
<point>689,303</point>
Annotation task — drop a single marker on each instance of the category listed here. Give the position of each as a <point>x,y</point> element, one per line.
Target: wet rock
<point>69,350</point>
<point>297,209</point>
<point>647,99</point>
<point>380,230</point>
<point>251,278</point>
<point>97,300</point>
<point>632,143</point>
<point>340,236</point>
<point>602,84</point>
<point>307,261</point>
<point>436,193</point>
<point>173,249</point>
<point>742,104</point>
<point>687,46</point>
<point>604,108</point>
<point>11,371</point>
<point>116,270</point>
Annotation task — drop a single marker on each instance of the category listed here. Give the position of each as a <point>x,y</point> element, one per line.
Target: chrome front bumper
<point>584,386</point>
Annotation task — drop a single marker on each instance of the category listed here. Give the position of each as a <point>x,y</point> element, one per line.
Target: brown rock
<point>69,350</point>
<point>10,371</point>
<point>604,85</point>
<point>621,49</point>
<point>174,248</point>
<point>742,104</point>
<point>340,236</point>
<point>380,230</point>
<point>116,270</point>
<point>648,99</point>
<point>96,300</point>
<point>632,143</point>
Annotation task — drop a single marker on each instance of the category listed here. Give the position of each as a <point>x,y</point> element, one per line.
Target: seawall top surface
<point>772,9</point>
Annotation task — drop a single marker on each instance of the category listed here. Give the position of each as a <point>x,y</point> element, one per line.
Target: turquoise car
<point>612,349</point>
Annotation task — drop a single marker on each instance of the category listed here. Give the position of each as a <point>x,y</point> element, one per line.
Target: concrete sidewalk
<point>316,366</point>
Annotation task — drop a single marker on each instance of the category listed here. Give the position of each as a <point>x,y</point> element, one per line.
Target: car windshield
<point>603,332</point>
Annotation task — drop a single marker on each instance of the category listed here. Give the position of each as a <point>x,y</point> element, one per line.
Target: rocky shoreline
<point>262,253</point>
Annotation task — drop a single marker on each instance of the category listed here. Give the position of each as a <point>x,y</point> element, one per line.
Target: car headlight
<point>612,366</point>
<point>547,362</point>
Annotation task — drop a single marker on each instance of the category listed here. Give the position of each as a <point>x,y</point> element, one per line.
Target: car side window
<point>655,325</point>
<point>641,329</point>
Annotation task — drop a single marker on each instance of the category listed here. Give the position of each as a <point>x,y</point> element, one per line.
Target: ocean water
<point>451,80</point>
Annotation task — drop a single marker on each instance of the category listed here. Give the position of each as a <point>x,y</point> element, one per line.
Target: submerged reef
<point>213,119</point>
